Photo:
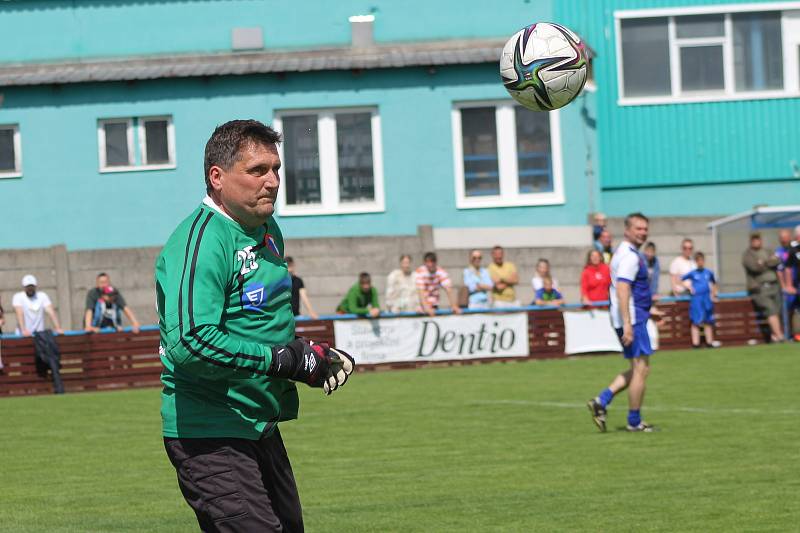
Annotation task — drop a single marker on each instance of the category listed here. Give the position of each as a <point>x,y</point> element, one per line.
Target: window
<point>704,53</point>
<point>331,162</point>
<point>10,152</point>
<point>140,143</point>
<point>757,57</point>
<point>506,155</point>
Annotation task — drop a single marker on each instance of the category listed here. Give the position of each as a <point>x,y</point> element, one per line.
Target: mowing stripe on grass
<point>700,410</point>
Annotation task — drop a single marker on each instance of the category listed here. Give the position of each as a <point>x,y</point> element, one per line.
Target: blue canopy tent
<point>730,236</point>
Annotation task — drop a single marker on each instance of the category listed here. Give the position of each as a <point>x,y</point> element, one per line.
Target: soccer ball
<point>543,66</point>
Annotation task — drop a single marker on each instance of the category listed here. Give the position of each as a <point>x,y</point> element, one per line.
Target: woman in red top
<point>595,279</point>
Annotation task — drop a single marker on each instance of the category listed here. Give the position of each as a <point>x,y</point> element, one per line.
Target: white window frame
<point>135,129</point>
<point>507,165</point>
<point>143,143</point>
<point>101,144</point>
<point>329,165</point>
<point>791,86</point>
<point>16,139</point>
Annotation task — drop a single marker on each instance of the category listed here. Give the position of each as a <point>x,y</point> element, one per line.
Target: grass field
<point>497,447</point>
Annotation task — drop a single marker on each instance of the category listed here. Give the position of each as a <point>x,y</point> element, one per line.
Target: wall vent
<point>247,39</point>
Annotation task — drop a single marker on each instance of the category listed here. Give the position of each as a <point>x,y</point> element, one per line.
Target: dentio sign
<point>472,336</point>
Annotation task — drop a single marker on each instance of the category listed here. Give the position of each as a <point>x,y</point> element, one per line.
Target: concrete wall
<point>67,276</point>
<point>667,234</point>
<point>328,266</point>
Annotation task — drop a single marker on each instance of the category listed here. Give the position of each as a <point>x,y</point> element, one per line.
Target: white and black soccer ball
<point>544,66</point>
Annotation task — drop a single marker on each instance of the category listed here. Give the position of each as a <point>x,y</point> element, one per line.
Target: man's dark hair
<point>404,256</point>
<point>699,255</point>
<point>364,277</point>
<point>496,247</point>
<point>101,274</point>
<point>289,260</point>
<point>650,244</point>
<point>629,218</point>
<point>430,256</point>
<point>228,140</point>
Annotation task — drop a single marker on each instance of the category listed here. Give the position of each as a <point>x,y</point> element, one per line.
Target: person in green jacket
<point>228,347</point>
<point>361,299</point>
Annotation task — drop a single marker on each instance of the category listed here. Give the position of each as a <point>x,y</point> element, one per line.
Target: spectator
<point>299,294</point>
<point>791,276</point>
<point>542,271</point>
<point>478,282</point>
<point>603,245</point>
<point>429,279</point>
<point>653,267</point>
<point>680,266</point>
<point>107,313</point>
<point>761,267</point>
<point>504,277</point>
<point>102,281</point>
<point>702,285</point>
<point>361,299</point>
<point>548,295</point>
<point>30,306</point>
<point>595,279</point>
<point>600,222</point>
<point>401,289</point>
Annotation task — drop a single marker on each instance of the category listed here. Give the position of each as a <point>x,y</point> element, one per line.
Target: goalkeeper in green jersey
<point>228,343</point>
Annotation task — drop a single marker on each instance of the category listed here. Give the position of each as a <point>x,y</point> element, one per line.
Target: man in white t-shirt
<point>30,306</point>
<point>680,266</point>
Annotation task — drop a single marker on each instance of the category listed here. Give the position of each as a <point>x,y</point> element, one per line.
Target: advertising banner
<point>591,331</point>
<point>449,337</point>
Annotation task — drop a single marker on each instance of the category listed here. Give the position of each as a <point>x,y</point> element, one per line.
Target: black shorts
<point>237,484</point>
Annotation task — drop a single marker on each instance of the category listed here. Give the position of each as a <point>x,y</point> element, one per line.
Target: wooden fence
<point>126,360</point>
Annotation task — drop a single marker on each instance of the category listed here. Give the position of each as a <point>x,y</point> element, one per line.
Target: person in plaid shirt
<point>430,277</point>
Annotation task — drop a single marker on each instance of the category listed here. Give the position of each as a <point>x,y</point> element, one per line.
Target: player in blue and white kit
<point>630,309</point>
<point>703,287</point>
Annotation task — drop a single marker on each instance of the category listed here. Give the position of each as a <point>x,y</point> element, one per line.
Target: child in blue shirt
<point>547,295</point>
<point>703,287</point>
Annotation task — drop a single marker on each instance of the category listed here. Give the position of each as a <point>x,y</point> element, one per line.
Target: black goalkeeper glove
<point>315,364</point>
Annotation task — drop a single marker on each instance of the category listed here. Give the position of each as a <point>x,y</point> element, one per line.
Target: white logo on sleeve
<point>310,363</point>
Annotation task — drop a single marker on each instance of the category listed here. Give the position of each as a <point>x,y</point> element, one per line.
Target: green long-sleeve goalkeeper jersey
<point>224,299</point>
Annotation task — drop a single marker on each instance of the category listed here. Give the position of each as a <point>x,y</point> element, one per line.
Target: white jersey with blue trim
<point>629,266</point>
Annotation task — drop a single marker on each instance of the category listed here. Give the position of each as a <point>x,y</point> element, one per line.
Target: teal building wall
<point>678,159</point>
<point>44,30</point>
<point>63,198</point>
<point>708,158</point>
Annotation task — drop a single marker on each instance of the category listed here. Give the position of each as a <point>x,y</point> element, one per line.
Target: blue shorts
<point>641,342</point>
<point>701,311</point>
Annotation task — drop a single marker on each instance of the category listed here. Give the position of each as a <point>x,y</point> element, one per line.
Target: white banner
<point>470,336</point>
<point>591,331</point>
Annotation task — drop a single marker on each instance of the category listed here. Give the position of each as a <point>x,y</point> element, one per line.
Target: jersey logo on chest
<point>253,296</point>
